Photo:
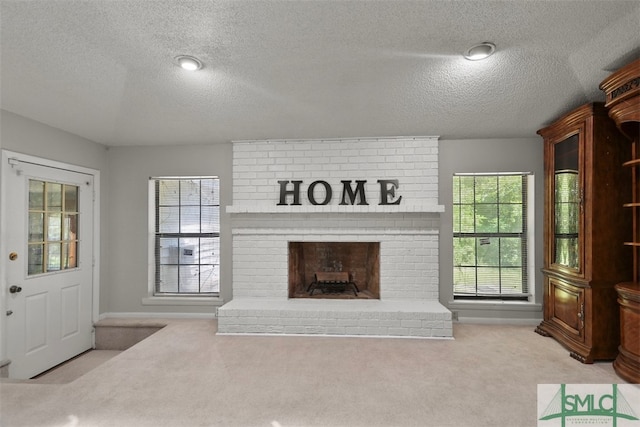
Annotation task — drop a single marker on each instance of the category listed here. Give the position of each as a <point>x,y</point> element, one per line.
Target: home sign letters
<point>291,190</point>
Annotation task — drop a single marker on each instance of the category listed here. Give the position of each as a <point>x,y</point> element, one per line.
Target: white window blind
<point>187,236</point>
<point>490,236</point>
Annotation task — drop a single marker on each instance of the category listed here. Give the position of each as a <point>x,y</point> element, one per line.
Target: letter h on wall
<point>284,192</point>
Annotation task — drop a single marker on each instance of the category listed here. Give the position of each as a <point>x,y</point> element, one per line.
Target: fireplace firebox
<point>335,270</point>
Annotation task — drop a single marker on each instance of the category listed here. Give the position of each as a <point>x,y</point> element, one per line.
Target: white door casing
<point>48,318</point>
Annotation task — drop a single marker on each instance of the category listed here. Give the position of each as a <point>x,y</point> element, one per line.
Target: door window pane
<point>70,198</point>
<point>53,227</point>
<point>54,196</point>
<point>36,226</point>
<point>53,257</point>
<point>36,195</point>
<point>69,255</point>
<point>36,265</point>
<point>70,229</point>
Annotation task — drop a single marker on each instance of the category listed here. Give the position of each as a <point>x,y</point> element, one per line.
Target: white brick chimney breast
<point>339,190</point>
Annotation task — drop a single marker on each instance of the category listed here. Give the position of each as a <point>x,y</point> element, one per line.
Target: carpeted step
<point>120,334</point>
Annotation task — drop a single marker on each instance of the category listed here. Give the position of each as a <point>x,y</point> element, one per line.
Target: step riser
<point>121,337</point>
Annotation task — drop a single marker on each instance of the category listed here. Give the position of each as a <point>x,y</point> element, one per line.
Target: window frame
<point>527,245</point>
<point>155,297</point>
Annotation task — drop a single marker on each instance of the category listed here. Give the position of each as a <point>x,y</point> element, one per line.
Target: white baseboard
<point>498,321</point>
<point>143,315</point>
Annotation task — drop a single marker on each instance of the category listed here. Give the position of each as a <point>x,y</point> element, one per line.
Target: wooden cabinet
<point>627,364</point>
<point>566,307</point>
<point>585,226</point>
<point>622,91</point>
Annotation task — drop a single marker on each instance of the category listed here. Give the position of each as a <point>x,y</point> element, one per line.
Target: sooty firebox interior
<point>343,270</point>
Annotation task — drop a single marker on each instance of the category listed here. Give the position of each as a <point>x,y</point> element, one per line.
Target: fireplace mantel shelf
<point>356,209</point>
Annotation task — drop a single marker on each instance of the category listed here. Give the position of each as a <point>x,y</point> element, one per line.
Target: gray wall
<point>30,137</point>
<point>127,217</point>
<point>488,155</point>
<point>124,205</point>
<point>37,139</point>
<point>124,174</point>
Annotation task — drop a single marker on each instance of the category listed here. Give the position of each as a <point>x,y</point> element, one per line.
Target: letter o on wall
<point>311,190</point>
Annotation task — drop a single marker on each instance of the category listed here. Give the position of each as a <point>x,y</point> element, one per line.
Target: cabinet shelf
<point>623,102</point>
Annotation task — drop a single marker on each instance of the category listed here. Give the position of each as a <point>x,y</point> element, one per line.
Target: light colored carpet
<point>186,375</point>
<point>75,368</point>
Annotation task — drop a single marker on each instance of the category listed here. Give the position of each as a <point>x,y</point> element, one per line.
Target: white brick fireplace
<point>382,190</point>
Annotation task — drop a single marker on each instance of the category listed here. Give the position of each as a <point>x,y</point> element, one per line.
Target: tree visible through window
<point>187,235</point>
<point>490,236</point>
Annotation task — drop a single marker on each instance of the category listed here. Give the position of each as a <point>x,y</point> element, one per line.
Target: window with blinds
<point>187,236</point>
<point>490,236</point>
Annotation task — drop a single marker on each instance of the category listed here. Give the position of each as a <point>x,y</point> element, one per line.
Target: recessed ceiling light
<point>480,51</point>
<point>189,62</point>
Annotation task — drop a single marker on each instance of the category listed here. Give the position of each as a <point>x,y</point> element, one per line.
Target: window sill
<point>184,301</point>
<point>494,305</point>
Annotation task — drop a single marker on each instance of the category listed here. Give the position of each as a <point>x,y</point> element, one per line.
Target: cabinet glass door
<point>567,204</point>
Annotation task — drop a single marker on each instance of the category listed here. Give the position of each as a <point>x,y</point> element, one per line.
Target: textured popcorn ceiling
<point>307,69</point>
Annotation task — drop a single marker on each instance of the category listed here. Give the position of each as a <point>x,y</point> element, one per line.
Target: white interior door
<point>49,232</point>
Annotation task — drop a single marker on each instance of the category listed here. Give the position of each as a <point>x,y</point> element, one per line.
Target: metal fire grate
<point>333,282</point>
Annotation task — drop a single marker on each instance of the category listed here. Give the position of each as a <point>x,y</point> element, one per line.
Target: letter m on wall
<point>347,191</point>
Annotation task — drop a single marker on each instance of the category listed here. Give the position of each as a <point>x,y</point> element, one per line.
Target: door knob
<point>14,289</point>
